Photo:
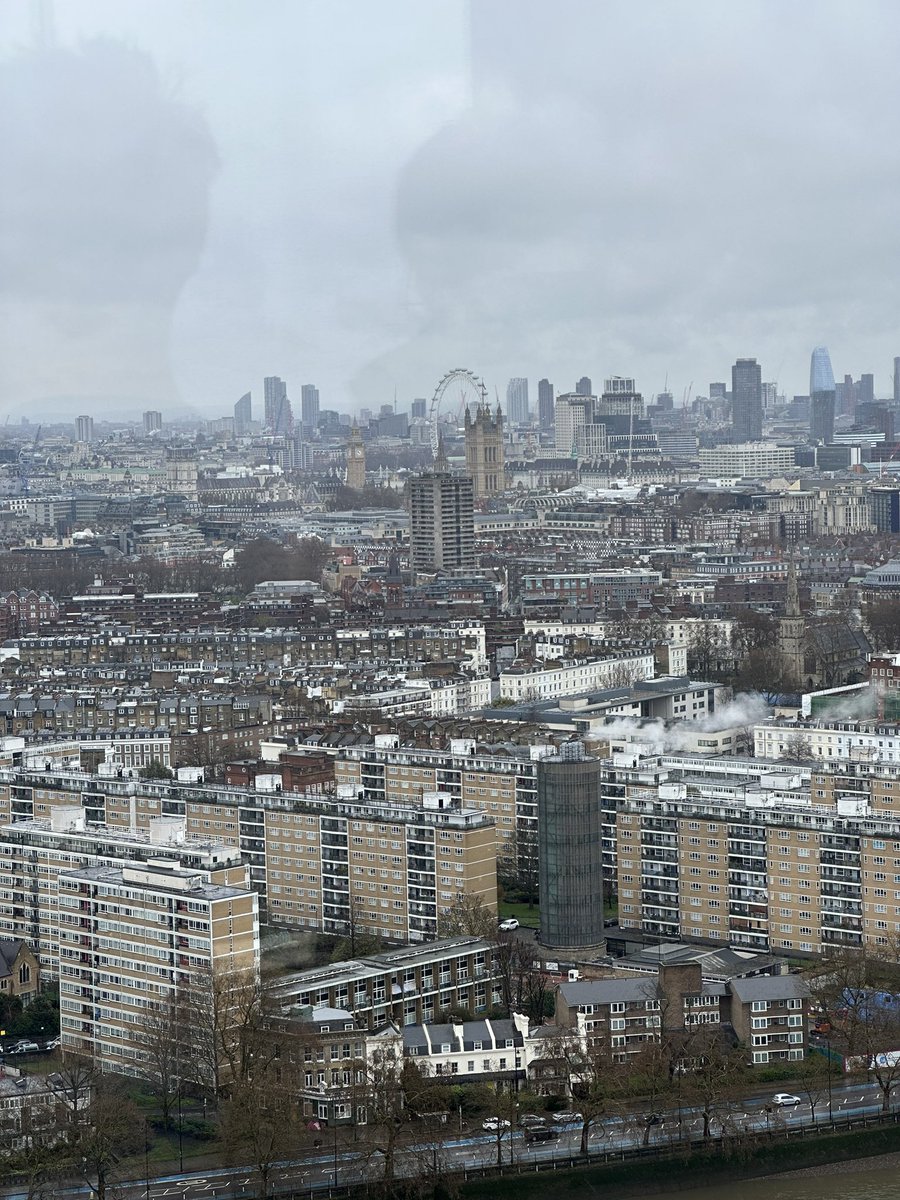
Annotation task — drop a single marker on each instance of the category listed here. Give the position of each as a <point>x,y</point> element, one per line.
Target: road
<point>316,1173</point>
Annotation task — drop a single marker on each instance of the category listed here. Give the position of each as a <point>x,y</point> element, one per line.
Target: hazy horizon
<point>364,196</point>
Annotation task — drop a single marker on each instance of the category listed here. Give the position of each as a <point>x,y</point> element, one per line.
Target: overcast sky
<point>365,193</point>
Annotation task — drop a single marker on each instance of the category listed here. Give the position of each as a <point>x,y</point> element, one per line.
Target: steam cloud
<point>747,708</point>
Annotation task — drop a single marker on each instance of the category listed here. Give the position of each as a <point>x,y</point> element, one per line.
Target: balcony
<point>838,890</point>
<point>840,858</point>
<point>834,937</point>
<point>832,904</point>
<point>830,921</point>
<point>841,874</point>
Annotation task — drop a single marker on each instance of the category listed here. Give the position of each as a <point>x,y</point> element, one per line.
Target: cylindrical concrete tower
<point>570,850</point>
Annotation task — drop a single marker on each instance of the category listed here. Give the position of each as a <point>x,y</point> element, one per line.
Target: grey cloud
<point>103,217</point>
<point>640,187</point>
<point>689,182</point>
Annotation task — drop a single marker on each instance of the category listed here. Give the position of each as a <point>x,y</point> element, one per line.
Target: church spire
<point>441,466</point>
<point>792,600</point>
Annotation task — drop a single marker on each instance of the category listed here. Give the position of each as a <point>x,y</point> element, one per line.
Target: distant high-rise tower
<point>152,421</point>
<point>418,410</point>
<point>283,418</point>
<point>309,407</point>
<point>584,387</point>
<point>845,397</point>
<point>746,400</point>
<point>84,429</point>
<point>300,453</point>
<point>545,404</point>
<point>570,849</point>
<point>517,410</point>
<point>441,520</point>
<point>897,380</point>
<point>243,415</point>
<point>571,413</point>
<point>821,397</point>
<point>865,390</point>
<point>484,451</point>
<point>355,457</point>
<point>274,391</point>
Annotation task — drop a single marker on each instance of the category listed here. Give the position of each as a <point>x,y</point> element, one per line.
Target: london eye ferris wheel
<point>458,390</point>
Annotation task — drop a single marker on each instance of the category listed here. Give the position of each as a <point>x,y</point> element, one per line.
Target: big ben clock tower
<point>355,458</point>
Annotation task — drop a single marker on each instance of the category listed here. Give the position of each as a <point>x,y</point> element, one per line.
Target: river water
<point>865,1184</point>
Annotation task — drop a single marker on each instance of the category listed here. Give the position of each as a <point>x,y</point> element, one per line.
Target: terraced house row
<point>448,640</point>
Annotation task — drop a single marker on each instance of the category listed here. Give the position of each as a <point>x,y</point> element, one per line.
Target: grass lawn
<point>532,916</point>
<point>527,916</point>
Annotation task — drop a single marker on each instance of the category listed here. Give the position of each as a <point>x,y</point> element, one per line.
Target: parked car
<point>786,1100</point>
<point>24,1047</point>
<point>53,1044</point>
<point>510,923</point>
<point>532,1121</point>
<point>568,1118</point>
<point>541,1133</point>
<point>495,1124</point>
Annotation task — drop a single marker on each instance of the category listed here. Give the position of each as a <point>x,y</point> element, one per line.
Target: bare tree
<point>113,1129</point>
<point>798,747</point>
<point>260,1122</point>
<point>710,652</point>
<point>713,1073</point>
<point>165,1055</point>
<point>649,1079</point>
<point>762,670</point>
<point>387,1080</point>
<point>594,1078</point>
<point>358,938</point>
<point>227,1015</point>
<point>813,1076</point>
<point>73,1084</point>
<point>858,993</point>
<point>467,916</point>
<point>880,622</point>
<point>513,963</point>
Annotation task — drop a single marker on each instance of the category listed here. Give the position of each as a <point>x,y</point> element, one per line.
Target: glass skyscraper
<point>821,397</point>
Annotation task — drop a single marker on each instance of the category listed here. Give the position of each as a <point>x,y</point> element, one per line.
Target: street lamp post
<point>828,1056</point>
<point>180,1132</point>
<point>334,1123</point>
<point>146,1161</point>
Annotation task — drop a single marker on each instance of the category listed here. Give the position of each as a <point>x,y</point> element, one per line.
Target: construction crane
<point>24,472</point>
